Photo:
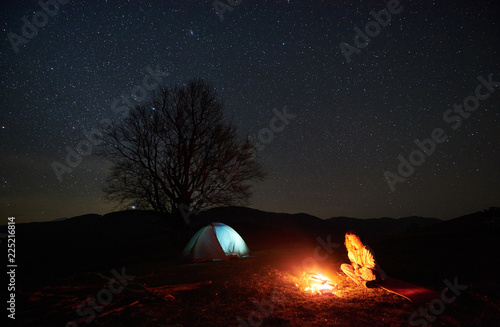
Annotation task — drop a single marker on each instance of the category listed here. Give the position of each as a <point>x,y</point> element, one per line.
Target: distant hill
<point>377,227</point>
<point>452,246</point>
<point>281,227</point>
<point>89,241</point>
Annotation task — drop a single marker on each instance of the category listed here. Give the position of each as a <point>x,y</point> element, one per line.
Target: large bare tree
<point>177,153</point>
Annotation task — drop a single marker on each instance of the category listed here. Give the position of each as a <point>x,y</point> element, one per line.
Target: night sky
<point>350,115</point>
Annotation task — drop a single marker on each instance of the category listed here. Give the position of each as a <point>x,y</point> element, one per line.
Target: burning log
<point>320,284</point>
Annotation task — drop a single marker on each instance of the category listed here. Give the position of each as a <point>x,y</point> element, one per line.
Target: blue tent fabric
<point>216,241</point>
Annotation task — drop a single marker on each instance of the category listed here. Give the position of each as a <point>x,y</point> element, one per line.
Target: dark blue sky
<point>353,117</point>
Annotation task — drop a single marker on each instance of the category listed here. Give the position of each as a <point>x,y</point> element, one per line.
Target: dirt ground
<point>265,289</point>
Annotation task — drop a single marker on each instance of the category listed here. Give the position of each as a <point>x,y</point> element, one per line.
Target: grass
<point>238,288</point>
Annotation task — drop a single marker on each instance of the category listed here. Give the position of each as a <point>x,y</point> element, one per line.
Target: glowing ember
<point>320,284</point>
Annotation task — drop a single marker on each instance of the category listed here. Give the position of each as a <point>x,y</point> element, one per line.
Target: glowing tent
<point>216,241</point>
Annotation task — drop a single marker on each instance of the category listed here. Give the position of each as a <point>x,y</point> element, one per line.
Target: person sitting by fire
<point>363,268</point>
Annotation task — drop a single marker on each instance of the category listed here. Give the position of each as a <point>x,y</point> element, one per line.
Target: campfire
<point>319,284</point>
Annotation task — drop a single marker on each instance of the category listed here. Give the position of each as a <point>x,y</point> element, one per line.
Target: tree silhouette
<point>177,153</point>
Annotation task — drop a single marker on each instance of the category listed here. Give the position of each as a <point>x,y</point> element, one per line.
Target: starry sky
<point>353,107</point>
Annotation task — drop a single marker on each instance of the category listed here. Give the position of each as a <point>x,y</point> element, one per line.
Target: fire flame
<point>319,284</point>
